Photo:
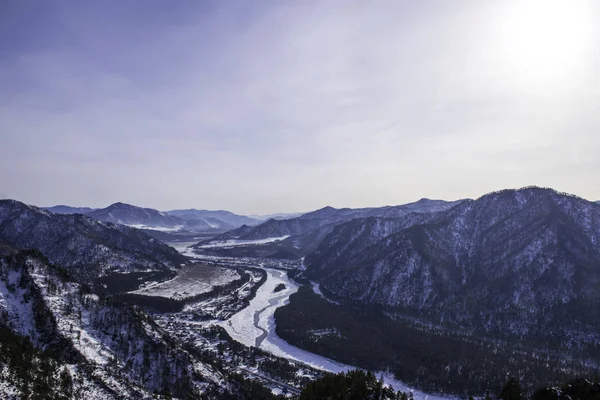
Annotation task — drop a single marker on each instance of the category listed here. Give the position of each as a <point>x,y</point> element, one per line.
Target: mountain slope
<point>303,234</point>
<point>104,350</point>
<point>513,262</point>
<point>86,247</point>
<point>266,217</point>
<point>218,219</point>
<point>331,216</point>
<point>126,214</point>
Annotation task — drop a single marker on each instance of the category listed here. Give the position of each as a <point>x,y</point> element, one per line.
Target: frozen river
<point>255,326</point>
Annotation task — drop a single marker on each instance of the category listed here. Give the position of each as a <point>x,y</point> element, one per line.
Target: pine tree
<point>511,390</point>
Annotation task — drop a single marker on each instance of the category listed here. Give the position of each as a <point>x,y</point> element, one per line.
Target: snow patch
<point>238,242</point>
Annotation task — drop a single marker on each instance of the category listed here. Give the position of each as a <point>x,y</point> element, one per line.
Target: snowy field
<point>235,242</point>
<point>155,228</point>
<point>184,248</point>
<point>189,282</point>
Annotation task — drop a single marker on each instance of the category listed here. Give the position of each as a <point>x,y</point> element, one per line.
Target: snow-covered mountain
<point>333,216</point>
<point>266,217</point>
<point>220,219</point>
<point>87,247</point>
<point>515,262</point>
<point>62,209</point>
<point>61,341</point>
<point>175,221</point>
<point>126,214</point>
<point>303,234</point>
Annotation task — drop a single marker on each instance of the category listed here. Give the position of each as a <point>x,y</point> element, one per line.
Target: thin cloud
<point>282,106</point>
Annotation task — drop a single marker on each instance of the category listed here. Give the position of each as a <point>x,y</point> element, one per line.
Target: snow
<point>316,287</point>
<point>184,248</point>
<point>238,242</point>
<point>20,313</point>
<point>255,326</point>
<point>69,325</point>
<point>7,387</point>
<point>250,325</point>
<point>155,228</point>
<point>189,282</point>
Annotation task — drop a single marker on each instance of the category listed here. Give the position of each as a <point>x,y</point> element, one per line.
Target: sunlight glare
<point>547,41</point>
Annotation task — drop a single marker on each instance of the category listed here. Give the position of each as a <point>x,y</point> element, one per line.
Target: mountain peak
<point>119,204</point>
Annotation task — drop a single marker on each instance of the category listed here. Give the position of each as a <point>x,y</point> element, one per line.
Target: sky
<point>274,106</point>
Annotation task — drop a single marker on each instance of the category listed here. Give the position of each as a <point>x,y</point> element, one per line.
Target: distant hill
<point>301,235</point>
<point>176,222</point>
<point>126,214</point>
<point>62,209</point>
<point>219,219</point>
<point>266,217</point>
<point>83,245</point>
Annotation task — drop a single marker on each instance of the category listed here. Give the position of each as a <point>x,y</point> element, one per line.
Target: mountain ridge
<point>64,209</point>
<point>300,236</point>
<point>475,264</point>
<point>84,245</point>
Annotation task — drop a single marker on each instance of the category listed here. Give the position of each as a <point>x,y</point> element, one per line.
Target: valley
<point>254,327</point>
<point>440,299</point>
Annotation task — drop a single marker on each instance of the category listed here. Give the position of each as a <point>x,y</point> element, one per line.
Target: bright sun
<point>548,41</point>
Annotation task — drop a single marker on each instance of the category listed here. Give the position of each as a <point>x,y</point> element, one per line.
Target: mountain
<point>514,262</point>
<point>266,217</point>
<point>58,340</point>
<point>62,209</point>
<point>331,216</point>
<point>125,214</point>
<point>87,247</point>
<point>300,236</point>
<point>175,222</point>
<point>217,219</point>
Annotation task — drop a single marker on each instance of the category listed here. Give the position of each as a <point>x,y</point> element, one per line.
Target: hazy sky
<point>268,106</point>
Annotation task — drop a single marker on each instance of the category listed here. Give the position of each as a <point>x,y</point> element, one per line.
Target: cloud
<point>282,106</point>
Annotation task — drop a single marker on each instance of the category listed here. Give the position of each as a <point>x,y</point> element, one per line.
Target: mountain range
<point>82,244</point>
<point>62,209</point>
<point>515,262</point>
<point>219,219</point>
<point>190,220</point>
<point>515,266</point>
<point>301,235</point>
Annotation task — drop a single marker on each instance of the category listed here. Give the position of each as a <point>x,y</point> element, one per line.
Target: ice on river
<point>255,326</point>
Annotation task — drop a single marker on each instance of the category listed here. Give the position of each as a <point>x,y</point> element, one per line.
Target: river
<point>255,326</point>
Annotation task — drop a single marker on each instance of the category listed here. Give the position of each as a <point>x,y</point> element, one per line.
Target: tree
<point>351,385</point>
<point>511,390</point>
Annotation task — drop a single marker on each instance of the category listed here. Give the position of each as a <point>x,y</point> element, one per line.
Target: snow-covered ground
<point>237,242</point>
<point>190,281</point>
<point>184,248</point>
<point>156,228</point>
<point>317,289</point>
<point>255,326</point>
